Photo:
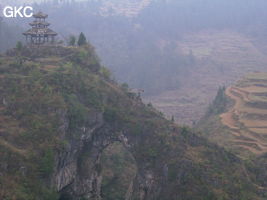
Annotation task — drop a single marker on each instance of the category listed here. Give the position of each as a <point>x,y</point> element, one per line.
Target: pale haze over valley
<point>173,50</point>
<point>134,100</point>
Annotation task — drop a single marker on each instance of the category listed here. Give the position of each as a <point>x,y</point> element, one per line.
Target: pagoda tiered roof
<point>40,15</point>
<point>38,31</point>
<point>34,23</point>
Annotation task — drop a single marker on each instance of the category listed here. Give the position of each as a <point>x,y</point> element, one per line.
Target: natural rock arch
<point>78,171</point>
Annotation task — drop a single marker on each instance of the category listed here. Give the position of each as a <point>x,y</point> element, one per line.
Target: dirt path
<point>244,137</point>
<point>228,120</point>
<point>228,117</point>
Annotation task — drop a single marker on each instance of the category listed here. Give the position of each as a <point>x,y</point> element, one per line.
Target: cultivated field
<point>222,57</point>
<point>247,119</point>
<point>123,7</point>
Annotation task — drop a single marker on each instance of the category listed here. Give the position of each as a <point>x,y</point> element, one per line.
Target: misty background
<point>178,51</point>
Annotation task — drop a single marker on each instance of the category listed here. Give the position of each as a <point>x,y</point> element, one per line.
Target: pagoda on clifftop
<point>40,34</point>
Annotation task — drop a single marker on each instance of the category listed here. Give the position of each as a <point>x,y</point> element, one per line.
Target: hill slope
<point>243,121</point>
<point>224,47</point>
<point>220,58</point>
<point>60,111</point>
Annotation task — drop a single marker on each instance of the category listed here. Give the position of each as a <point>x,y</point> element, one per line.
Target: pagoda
<point>40,33</point>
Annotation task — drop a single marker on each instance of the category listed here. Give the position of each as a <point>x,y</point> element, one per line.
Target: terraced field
<point>221,57</point>
<point>247,119</point>
<point>123,7</point>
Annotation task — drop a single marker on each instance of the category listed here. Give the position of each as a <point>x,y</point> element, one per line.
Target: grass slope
<point>42,89</point>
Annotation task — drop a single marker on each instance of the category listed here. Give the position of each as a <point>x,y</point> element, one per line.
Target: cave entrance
<point>65,196</point>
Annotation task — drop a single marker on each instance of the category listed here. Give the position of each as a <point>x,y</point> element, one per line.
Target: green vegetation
<point>19,45</point>
<point>47,162</point>
<point>72,40</point>
<point>237,117</point>
<point>241,126</point>
<point>49,102</point>
<point>218,105</point>
<point>81,40</point>
<point>119,169</point>
<point>36,95</point>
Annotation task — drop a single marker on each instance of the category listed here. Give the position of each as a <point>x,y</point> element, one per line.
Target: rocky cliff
<point>60,111</point>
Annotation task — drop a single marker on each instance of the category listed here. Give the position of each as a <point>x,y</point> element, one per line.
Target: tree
<point>72,40</point>
<point>19,45</point>
<point>81,40</point>
<point>125,87</point>
<point>172,119</point>
<point>106,73</point>
<point>219,103</point>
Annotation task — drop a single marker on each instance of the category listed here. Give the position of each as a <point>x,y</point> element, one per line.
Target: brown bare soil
<point>227,119</point>
<point>251,130</point>
<point>49,67</point>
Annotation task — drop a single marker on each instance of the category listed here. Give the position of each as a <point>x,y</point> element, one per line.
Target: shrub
<point>19,46</point>
<point>77,112</point>
<point>47,163</point>
<point>72,40</point>
<point>105,72</point>
<point>81,40</point>
<point>110,115</point>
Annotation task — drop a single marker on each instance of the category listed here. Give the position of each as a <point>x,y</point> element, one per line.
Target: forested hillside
<point>59,113</point>
<point>71,129</point>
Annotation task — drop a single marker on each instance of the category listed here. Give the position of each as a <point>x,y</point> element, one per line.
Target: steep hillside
<point>220,58</point>
<point>62,119</point>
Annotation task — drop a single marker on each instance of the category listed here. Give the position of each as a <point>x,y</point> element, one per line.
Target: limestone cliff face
<point>77,168</point>
<point>163,174</point>
<point>59,112</point>
<point>77,171</point>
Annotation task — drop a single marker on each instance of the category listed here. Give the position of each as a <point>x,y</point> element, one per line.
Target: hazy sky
<point>9,2</point>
